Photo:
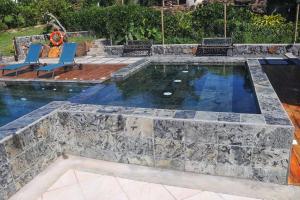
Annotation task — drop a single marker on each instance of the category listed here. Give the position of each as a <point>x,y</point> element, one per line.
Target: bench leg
<point>53,75</point>
<point>17,73</point>
<point>37,73</point>
<point>2,71</point>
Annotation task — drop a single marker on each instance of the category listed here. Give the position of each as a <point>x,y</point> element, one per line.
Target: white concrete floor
<point>81,185</point>
<point>77,178</point>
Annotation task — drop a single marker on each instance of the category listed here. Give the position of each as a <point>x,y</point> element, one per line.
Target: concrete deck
<point>87,179</point>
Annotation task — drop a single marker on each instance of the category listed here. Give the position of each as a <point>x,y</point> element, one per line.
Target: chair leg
<point>2,71</point>
<point>17,73</point>
<point>37,73</point>
<point>53,75</point>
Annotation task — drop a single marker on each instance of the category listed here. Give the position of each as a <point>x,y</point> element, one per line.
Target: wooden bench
<point>137,48</point>
<point>215,47</point>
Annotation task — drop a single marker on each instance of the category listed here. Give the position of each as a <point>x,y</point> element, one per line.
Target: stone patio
<point>79,178</point>
<point>81,185</point>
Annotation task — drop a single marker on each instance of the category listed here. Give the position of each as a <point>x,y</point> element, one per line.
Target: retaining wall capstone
<point>238,50</point>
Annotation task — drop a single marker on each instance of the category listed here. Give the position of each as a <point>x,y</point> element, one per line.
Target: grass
<point>81,39</point>
<point>6,38</point>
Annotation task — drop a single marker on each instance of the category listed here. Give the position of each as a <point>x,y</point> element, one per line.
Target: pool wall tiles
<point>253,151</point>
<point>29,150</point>
<point>149,137</point>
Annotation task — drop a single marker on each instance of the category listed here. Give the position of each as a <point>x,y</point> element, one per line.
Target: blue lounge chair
<point>66,59</point>
<point>32,59</point>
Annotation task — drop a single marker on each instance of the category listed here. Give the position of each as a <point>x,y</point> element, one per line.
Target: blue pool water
<point>219,88</point>
<point>284,76</point>
<point>183,87</point>
<point>18,100</point>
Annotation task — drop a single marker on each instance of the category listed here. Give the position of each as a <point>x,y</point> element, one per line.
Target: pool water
<point>18,100</point>
<point>284,76</point>
<point>218,88</point>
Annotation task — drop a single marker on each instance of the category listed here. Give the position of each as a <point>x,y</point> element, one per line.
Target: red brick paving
<point>88,72</point>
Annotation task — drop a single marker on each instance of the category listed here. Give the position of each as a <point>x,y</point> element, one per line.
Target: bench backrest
<point>139,43</point>
<point>217,42</point>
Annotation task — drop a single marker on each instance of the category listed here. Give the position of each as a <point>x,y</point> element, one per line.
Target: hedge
<point>121,23</point>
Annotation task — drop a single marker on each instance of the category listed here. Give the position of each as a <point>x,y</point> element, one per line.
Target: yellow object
<point>54,52</point>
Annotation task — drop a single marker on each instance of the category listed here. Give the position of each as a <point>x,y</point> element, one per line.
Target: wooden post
<point>162,26</point>
<point>225,18</point>
<point>296,25</point>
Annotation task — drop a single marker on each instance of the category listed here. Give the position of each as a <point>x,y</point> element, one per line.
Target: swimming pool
<point>17,100</point>
<point>284,76</point>
<point>217,88</point>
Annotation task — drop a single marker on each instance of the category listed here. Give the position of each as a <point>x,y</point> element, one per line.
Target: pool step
<point>98,48</point>
<point>294,176</point>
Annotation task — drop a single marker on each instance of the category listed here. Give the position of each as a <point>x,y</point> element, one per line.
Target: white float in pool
<point>167,93</point>
<point>23,99</point>
<point>54,89</point>
<point>185,71</point>
<point>43,88</point>
<point>177,81</point>
<point>70,90</point>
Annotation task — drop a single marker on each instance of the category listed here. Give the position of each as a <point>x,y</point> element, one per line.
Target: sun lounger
<point>32,59</point>
<point>66,59</point>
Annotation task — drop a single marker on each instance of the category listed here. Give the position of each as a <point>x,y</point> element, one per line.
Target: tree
<point>7,7</point>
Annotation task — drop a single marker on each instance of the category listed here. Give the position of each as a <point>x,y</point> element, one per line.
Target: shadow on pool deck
<point>91,72</point>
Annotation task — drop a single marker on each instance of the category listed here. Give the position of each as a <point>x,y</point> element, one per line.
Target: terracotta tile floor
<point>80,185</point>
<point>88,72</point>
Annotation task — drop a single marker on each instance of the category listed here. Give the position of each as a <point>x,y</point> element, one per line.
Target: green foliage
<point>30,14</point>
<point>209,18</point>
<point>116,22</point>
<point>6,38</point>
<point>271,29</point>
<point>124,22</point>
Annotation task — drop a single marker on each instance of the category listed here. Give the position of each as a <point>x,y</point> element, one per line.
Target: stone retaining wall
<point>22,43</point>
<point>239,49</point>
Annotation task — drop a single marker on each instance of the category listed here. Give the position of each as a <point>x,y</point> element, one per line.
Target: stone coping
<point>53,81</point>
<point>14,127</point>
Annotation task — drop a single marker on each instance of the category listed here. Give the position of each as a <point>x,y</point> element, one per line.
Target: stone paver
<point>80,185</point>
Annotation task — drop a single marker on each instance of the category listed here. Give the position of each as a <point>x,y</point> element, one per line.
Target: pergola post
<point>297,19</point>
<point>162,26</point>
<point>225,18</point>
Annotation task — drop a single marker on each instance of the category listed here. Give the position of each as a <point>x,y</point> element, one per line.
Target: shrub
<point>121,23</point>
<point>3,26</point>
<point>271,29</point>
<point>30,14</point>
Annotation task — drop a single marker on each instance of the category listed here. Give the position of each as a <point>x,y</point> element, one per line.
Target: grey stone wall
<point>27,147</point>
<point>239,49</point>
<point>22,43</point>
<point>166,139</point>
